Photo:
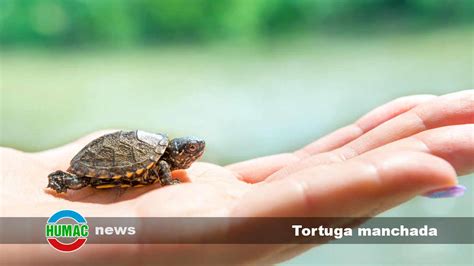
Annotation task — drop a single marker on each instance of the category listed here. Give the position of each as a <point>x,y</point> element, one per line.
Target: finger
<point>450,109</point>
<point>354,188</point>
<point>415,165</point>
<point>366,123</point>
<point>258,169</point>
<point>455,144</point>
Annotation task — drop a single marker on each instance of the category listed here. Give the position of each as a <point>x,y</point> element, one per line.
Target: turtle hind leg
<point>164,174</point>
<point>62,181</point>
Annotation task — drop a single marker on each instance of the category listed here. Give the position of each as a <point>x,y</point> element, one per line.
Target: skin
<point>403,149</point>
<point>180,154</point>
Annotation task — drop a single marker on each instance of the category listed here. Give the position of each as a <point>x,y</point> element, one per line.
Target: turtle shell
<point>119,154</point>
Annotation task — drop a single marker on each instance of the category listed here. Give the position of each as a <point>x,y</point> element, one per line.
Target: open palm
<point>405,148</point>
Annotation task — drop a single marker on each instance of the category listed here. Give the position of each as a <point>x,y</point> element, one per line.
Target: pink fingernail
<point>449,192</point>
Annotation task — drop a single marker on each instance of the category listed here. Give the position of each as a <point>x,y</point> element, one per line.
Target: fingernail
<point>449,192</point>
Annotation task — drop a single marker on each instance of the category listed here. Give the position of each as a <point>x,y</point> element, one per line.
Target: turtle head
<point>182,152</point>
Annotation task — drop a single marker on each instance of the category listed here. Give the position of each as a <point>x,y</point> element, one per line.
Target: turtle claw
<point>56,181</point>
<point>174,182</point>
<point>62,181</point>
<point>168,182</point>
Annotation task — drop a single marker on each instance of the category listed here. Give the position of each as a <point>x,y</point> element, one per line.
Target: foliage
<point>122,22</point>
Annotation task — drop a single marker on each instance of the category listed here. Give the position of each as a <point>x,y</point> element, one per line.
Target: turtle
<point>127,159</point>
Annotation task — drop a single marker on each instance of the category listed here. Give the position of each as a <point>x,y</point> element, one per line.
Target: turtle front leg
<point>61,181</point>
<point>164,174</point>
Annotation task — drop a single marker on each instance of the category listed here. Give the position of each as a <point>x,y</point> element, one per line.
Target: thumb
<point>362,187</point>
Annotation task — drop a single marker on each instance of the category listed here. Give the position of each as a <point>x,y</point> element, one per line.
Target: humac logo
<point>59,226</point>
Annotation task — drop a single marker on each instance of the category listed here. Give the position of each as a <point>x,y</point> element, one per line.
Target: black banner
<point>172,230</point>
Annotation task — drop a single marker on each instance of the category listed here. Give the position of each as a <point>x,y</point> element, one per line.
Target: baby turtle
<point>128,159</point>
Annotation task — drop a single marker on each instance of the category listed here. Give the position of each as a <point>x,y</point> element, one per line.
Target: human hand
<point>405,148</point>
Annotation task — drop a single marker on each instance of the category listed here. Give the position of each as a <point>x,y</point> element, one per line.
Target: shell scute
<point>119,153</point>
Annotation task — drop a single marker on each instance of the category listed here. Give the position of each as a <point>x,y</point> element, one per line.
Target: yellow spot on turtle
<point>129,174</point>
<point>139,171</point>
<point>106,186</point>
<point>104,176</point>
<point>139,185</point>
<point>91,173</point>
<point>116,177</point>
<point>124,185</point>
<point>150,165</point>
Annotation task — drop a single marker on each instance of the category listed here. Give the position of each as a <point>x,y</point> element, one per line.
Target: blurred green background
<point>251,77</point>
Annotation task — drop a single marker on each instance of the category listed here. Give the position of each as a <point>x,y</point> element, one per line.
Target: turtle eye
<point>192,147</point>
